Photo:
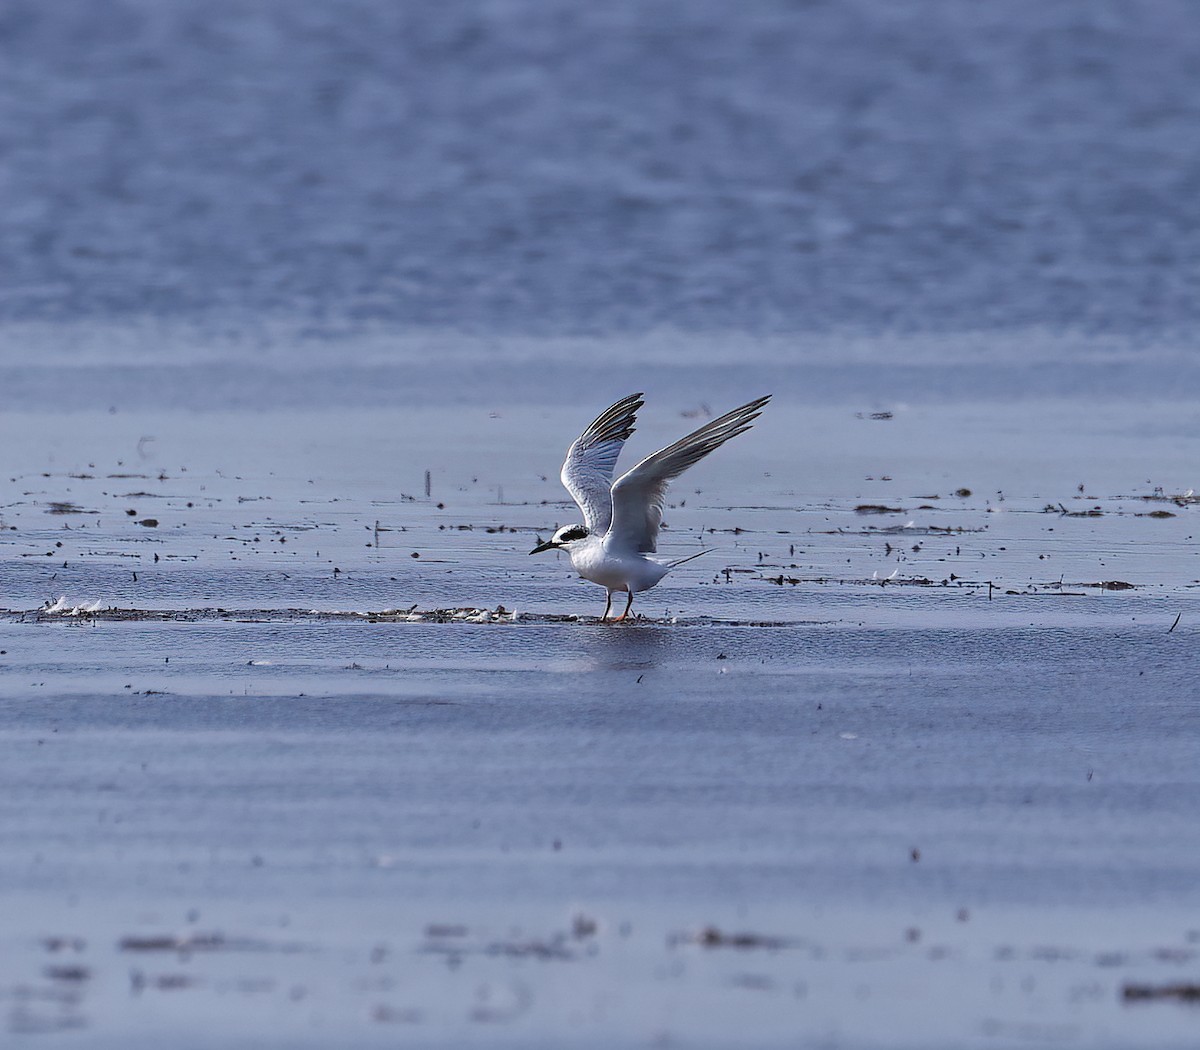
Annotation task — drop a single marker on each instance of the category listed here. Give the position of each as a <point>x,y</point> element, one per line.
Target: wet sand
<point>301,756</point>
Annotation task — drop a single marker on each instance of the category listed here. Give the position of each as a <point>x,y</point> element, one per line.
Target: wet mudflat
<point>299,755</point>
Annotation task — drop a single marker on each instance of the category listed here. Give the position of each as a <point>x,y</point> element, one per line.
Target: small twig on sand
<point>1175,624</point>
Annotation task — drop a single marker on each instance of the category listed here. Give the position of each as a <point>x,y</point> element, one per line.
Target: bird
<point>614,545</point>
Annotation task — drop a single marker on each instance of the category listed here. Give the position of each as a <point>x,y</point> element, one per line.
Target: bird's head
<point>564,537</point>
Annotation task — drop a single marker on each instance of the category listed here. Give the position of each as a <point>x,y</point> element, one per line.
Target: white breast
<point>618,571</point>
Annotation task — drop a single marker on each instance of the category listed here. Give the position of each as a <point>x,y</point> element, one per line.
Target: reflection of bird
<point>621,519</point>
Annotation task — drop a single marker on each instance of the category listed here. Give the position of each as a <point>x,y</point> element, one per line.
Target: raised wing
<point>588,469</point>
<point>639,496</point>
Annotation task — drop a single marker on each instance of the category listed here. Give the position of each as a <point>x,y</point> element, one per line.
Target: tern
<point>613,546</point>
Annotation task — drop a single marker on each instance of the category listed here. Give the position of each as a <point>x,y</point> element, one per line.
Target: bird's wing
<point>588,469</point>
<point>638,497</point>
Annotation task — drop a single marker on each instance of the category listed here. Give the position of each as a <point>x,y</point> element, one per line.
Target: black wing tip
<point>633,402</point>
<point>616,421</point>
<point>739,417</point>
<point>753,409</point>
<point>629,403</point>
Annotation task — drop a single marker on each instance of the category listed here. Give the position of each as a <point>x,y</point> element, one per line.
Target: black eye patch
<point>576,533</point>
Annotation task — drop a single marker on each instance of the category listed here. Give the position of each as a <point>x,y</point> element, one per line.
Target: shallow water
<point>903,757</point>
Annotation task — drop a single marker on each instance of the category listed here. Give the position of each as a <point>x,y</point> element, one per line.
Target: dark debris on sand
<point>463,615</point>
<point>1180,991</point>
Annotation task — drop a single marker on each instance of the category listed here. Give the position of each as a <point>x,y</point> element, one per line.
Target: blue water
<point>535,167</point>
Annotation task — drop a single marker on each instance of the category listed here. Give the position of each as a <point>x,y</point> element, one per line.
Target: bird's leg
<point>623,615</point>
<point>607,607</point>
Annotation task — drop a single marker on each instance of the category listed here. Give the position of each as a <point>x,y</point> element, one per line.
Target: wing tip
<point>739,418</point>
<point>751,410</point>
<point>615,423</point>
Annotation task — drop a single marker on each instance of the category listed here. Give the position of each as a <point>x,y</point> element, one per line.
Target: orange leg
<point>626,612</point>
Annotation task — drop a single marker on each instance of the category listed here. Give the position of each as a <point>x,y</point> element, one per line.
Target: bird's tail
<point>672,564</point>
